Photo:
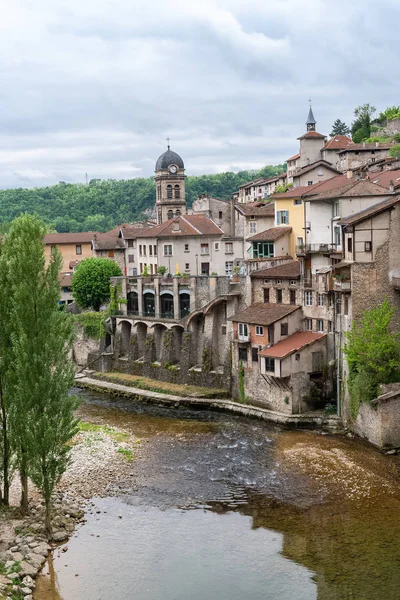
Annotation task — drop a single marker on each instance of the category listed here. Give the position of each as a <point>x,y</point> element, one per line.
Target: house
<point>330,152</point>
<point>65,288</point>
<point>110,245</point>
<point>260,188</point>
<point>74,247</point>
<point>279,284</point>
<point>358,155</point>
<point>270,243</point>
<point>222,212</point>
<point>250,219</point>
<point>314,173</point>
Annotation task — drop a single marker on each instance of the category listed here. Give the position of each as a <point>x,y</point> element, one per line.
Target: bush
<point>91,282</point>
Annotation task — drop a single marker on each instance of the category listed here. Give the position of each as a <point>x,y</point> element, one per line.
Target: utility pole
<point>86,176</point>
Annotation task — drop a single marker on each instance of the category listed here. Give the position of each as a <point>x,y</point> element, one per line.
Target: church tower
<point>170,186</point>
<point>311,143</point>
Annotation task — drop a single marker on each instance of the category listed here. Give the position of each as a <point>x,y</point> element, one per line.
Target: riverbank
<point>101,384</point>
<point>100,458</point>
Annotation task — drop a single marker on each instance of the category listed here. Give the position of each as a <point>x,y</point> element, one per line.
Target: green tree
<point>373,354</point>
<point>339,128</point>
<point>91,282</point>
<point>390,113</point>
<point>361,127</point>
<point>394,151</point>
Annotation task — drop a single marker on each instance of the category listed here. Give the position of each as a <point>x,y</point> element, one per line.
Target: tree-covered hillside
<point>101,205</point>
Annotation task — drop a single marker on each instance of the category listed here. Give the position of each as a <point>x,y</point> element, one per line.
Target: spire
<point>311,122</point>
<point>168,141</point>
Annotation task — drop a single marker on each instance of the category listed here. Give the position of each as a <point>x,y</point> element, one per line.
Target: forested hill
<point>101,205</point>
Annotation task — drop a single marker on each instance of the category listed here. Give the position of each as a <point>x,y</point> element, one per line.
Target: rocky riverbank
<point>100,456</point>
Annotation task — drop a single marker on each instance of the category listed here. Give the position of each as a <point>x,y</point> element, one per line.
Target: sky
<point>96,87</point>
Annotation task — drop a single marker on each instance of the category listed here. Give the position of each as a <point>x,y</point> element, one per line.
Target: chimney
<point>376,144</point>
<point>349,174</point>
<point>391,186</point>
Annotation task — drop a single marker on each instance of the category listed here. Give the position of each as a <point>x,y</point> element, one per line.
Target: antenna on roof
<point>168,140</point>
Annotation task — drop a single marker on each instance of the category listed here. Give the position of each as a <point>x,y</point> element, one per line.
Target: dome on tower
<point>169,158</point>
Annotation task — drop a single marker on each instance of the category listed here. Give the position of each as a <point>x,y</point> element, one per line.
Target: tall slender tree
<point>41,412</point>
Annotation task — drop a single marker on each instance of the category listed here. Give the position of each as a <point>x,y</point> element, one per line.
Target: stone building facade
<point>170,186</point>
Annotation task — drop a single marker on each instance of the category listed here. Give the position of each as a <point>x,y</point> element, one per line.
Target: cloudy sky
<point>97,86</point>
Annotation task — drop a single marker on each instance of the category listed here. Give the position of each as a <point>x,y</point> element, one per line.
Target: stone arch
<point>149,307</point>
<point>141,336</point>
<point>167,305</point>
<point>133,303</point>
<point>184,304</point>
<point>126,330</point>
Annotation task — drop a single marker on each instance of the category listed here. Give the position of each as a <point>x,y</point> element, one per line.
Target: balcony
<point>303,249</point>
<point>244,338</point>
<point>342,285</point>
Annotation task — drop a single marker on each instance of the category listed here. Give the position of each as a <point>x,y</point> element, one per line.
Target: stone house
<point>271,243</point>
<point>330,152</point>
<point>222,212</point>
<point>260,189</point>
<point>279,284</point>
<point>110,245</point>
<point>358,155</point>
<point>314,173</point>
<point>250,219</point>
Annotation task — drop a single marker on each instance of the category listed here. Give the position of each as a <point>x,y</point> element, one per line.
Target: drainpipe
<point>339,355</point>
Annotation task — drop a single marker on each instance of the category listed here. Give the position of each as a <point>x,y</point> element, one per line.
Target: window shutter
<point>278,217</point>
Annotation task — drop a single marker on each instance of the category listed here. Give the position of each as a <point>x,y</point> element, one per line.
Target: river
<point>225,508</point>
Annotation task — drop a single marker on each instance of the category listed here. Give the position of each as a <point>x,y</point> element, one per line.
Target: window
<point>242,354</point>
<point>253,227</point>
<point>130,243</point>
<point>266,295</point>
<point>308,324</point>
<point>223,329</point>
<point>144,249</point>
<point>150,250</point>
<point>297,201</point>
<point>320,299</point>
<point>282,217</point>
<point>336,209</point>
<point>338,236</point>
<point>254,354</point>
<point>279,296</point>
<point>279,281</point>
<point>170,215</point>
<point>346,306</point>
<point>263,249</point>
<point>186,247</point>
<point>317,361</point>
<point>220,214</point>
<point>169,191</point>
<point>229,248</point>
<point>110,254</point>
<point>177,212</point>
<point>308,298</point>
<point>331,327</point>
<point>204,249</point>
<point>177,191</point>
<point>140,250</point>
<point>243,329</point>
<point>320,326</point>
<point>78,249</point>
<point>187,267</point>
<point>331,300</point>
<point>269,364</point>
<point>284,328</point>
<point>155,250</point>
<point>292,282</point>
<point>368,246</point>
<point>168,250</point>
<point>297,356</point>
<point>229,267</point>
<point>310,182</point>
<point>292,296</point>
<point>131,258</point>
<point>259,330</point>
<point>350,244</point>
<point>216,246</point>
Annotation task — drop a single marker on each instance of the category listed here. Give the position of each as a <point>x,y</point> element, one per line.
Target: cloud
<point>97,86</point>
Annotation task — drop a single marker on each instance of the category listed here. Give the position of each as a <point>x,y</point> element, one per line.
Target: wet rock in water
<point>59,536</point>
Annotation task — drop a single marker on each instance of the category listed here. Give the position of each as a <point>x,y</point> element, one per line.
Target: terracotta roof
<point>185,225</point>
<point>354,188</point>
<point>386,177</point>
<point>295,157</point>
<point>65,279</point>
<point>261,209</point>
<point>309,190</point>
<point>314,165</point>
<point>264,314</point>
<point>294,343</point>
<point>338,142</point>
<point>289,270</point>
<point>108,241</point>
<point>270,235</point>
<point>312,134</point>
<point>69,238</point>
<point>370,211</point>
<point>364,146</point>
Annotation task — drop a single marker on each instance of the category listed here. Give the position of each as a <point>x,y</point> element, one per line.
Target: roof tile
<point>270,235</point>
<point>289,270</point>
<point>264,314</point>
<point>293,343</point>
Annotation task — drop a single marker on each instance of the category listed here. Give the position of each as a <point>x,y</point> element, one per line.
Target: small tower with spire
<point>311,142</point>
<point>311,122</point>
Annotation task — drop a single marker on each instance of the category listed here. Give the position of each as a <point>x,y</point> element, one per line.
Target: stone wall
<point>83,346</point>
<point>379,422</point>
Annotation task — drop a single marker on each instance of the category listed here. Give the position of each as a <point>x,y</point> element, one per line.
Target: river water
<point>225,508</point>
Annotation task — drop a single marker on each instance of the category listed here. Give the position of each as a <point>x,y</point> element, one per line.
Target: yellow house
<point>74,247</point>
<point>289,211</point>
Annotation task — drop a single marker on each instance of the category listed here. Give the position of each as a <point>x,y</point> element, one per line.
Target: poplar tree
<point>41,411</point>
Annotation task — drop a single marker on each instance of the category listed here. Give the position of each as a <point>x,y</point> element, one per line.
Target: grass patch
<point>117,436</point>
<point>163,387</point>
<point>127,454</point>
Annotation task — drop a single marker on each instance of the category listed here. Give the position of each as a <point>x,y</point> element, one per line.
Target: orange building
<point>74,247</point>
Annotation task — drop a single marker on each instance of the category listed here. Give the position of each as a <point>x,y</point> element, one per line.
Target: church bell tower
<point>170,186</point>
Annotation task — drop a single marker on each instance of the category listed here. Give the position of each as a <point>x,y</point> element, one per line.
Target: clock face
<point>172,169</point>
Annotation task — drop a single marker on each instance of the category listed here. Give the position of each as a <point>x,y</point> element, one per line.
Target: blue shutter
<point>278,217</point>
